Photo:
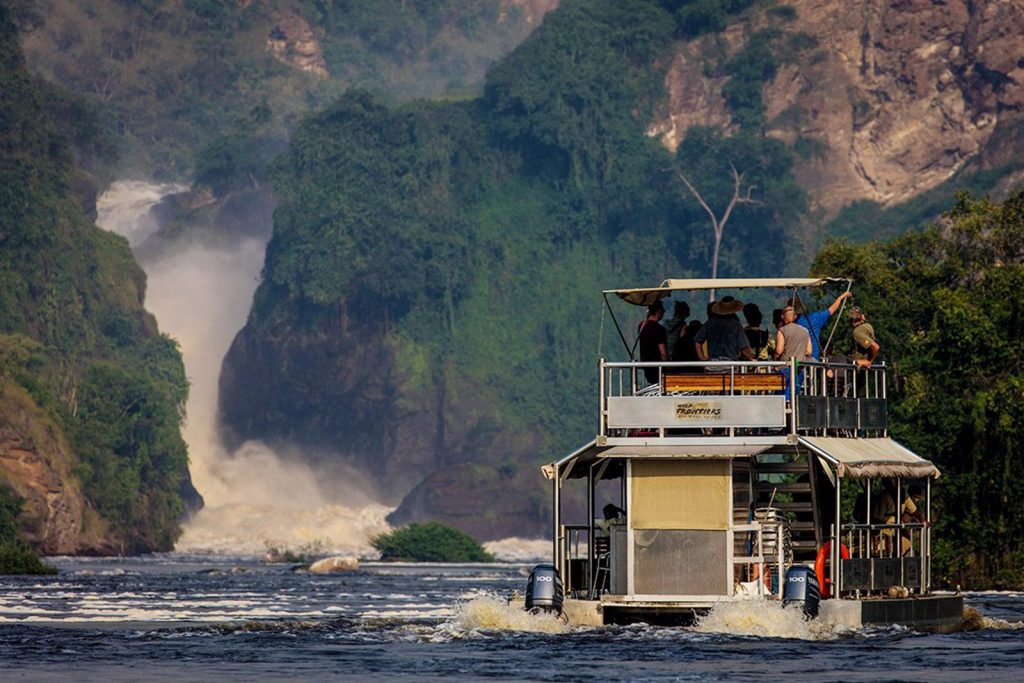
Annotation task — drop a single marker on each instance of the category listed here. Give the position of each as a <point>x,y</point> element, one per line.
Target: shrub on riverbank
<point>16,556</point>
<point>429,542</point>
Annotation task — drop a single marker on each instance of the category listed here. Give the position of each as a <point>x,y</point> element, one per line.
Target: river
<point>206,617</point>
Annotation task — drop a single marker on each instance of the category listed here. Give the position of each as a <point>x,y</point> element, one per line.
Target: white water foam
<point>493,612</point>
<point>124,208</point>
<point>255,498</point>
<point>520,550</point>
<point>764,619</point>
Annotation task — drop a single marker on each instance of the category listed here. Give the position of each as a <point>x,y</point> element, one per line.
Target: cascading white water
<point>255,499</point>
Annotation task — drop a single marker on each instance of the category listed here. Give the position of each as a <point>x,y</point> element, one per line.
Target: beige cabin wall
<point>680,494</point>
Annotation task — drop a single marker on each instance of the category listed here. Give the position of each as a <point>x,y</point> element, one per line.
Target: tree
<point>946,305</point>
<point>718,223</point>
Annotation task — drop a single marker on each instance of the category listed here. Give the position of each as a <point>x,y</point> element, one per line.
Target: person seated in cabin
<point>865,346</point>
<point>756,335</point>
<point>724,335</point>
<point>911,514</point>
<point>675,327</point>
<point>815,322</point>
<point>792,341</point>
<point>653,340</point>
<point>884,512</point>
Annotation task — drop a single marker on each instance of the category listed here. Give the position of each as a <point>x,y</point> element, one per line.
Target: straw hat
<point>727,305</point>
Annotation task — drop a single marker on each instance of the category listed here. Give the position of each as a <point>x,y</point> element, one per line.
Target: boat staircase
<point>787,484</point>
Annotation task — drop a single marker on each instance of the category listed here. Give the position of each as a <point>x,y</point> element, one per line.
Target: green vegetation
<point>429,542</point>
<point>696,17</point>
<point>16,556</point>
<point>172,79</point>
<point>946,305</point>
<point>475,234</point>
<point>73,331</point>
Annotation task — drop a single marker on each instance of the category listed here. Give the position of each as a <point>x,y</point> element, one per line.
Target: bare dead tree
<point>718,224</point>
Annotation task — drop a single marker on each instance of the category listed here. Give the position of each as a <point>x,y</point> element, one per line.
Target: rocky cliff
<point>37,464</point>
<point>900,95</point>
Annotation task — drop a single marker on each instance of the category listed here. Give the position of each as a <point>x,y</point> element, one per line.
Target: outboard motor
<point>544,590</point>
<point>802,589</point>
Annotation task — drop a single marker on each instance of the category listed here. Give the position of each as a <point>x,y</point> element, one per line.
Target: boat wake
<point>492,612</point>
<point>764,619</point>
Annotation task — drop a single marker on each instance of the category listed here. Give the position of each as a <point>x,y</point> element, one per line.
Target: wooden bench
<point>721,383</point>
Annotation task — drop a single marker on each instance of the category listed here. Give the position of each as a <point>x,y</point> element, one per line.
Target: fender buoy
<point>819,566</point>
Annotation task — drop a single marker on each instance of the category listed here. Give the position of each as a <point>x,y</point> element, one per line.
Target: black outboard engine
<point>802,589</point>
<point>544,590</point>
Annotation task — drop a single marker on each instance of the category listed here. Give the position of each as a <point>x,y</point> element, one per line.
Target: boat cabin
<point>723,475</point>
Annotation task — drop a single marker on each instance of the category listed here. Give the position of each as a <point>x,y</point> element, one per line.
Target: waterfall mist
<point>200,291</point>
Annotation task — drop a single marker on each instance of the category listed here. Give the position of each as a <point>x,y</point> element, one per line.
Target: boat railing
<point>765,567</point>
<point>826,398</point>
<point>883,556</point>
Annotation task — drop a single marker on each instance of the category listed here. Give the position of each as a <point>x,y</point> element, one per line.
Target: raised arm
<point>839,300</point>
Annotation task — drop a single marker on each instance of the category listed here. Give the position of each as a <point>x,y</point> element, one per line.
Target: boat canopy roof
<point>863,458</point>
<point>646,296</point>
<point>576,464</point>
<point>851,458</point>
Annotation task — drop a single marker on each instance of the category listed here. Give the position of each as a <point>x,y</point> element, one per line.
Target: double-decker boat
<point>728,483</point>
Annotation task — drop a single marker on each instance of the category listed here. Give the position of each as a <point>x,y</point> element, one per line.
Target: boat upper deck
<point>740,399</point>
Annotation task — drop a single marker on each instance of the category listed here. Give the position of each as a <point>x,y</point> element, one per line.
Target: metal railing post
<point>836,540</point>
<point>602,401</point>
<point>590,531</point>
<point>792,395</point>
<point>556,505</point>
<point>928,535</point>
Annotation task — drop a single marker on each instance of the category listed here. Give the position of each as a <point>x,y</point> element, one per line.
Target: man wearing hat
<point>865,346</point>
<point>724,333</point>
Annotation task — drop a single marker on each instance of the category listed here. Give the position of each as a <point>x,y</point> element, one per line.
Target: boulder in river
<point>334,565</point>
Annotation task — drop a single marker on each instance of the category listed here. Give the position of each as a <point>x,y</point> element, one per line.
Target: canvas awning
<point>646,296</point>
<point>862,458</point>
<point>575,464</point>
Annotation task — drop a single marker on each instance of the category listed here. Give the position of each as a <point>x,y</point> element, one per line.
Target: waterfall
<point>200,292</point>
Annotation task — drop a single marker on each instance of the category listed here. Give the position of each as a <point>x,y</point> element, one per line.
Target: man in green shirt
<point>865,346</point>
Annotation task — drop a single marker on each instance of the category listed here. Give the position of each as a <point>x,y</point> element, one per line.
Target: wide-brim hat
<point>727,305</point>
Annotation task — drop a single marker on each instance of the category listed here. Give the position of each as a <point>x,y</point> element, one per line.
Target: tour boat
<point>730,483</point>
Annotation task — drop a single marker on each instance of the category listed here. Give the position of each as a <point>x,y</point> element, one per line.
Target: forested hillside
<point>91,393</point>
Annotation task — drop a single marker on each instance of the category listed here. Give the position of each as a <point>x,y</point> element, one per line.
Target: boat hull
<point>935,613</point>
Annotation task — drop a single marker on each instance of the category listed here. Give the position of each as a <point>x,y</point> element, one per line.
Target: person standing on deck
<point>756,335</point>
<point>815,322</point>
<point>724,334</point>
<point>792,341</point>
<point>653,340</point>
<point>676,326</point>
<point>865,346</point>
